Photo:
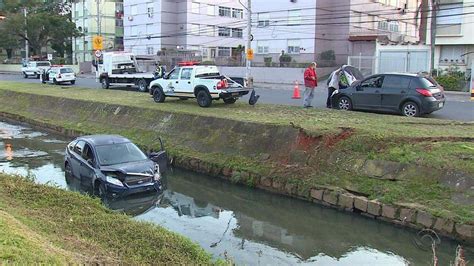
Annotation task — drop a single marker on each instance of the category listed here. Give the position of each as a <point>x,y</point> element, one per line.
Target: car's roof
<point>104,139</point>
<point>400,74</point>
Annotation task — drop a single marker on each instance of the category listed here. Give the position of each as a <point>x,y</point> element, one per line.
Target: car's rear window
<point>43,64</point>
<point>428,82</point>
<point>66,70</point>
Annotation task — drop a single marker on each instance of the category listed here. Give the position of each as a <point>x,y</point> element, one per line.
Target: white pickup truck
<point>35,68</point>
<point>204,83</point>
<point>121,69</point>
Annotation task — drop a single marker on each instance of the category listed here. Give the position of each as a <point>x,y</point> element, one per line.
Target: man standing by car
<point>310,83</point>
<point>333,85</point>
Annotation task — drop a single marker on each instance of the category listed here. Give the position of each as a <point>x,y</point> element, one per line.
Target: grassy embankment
<point>46,225</point>
<point>437,144</point>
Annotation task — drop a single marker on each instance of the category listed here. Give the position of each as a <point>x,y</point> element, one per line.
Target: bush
<point>268,61</point>
<point>451,79</point>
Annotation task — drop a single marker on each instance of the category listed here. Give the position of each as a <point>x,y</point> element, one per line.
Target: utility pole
<point>27,46</point>
<point>99,26</point>
<point>249,42</point>
<point>433,15</point>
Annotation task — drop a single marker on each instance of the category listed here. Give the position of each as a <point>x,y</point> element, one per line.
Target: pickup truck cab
<point>204,83</point>
<point>35,68</point>
<point>58,75</point>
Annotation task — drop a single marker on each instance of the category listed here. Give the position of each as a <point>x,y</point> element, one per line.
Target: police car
<point>58,75</point>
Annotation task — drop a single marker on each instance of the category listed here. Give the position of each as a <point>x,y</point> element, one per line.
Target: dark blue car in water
<point>113,166</point>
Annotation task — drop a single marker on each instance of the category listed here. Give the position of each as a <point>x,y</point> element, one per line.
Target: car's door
<point>185,86</point>
<point>87,171</point>
<point>367,94</point>
<point>394,89</point>
<point>76,158</point>
<point>172,81</point>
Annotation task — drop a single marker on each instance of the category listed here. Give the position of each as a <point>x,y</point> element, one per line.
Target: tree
<point>46,23</point>
<point>8,41</point>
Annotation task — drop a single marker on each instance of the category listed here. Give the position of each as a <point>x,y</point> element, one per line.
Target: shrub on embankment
<point>45,225</point>
<point>416,162</point>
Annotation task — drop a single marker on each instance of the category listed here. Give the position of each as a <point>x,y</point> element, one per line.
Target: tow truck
<point>205,83</point>
<point>34,68</point>
<point>122,69</point>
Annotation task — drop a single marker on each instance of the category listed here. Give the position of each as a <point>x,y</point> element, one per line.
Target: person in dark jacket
<point>310,83</point>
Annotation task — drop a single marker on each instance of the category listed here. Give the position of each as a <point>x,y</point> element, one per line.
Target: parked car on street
<point>113,166</point>
<point>34,68</point>
<point>409,94</point>
<point>58,75</point>
<point>204,83</point>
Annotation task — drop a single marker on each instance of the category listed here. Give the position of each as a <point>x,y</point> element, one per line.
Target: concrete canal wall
<point>186,135</point>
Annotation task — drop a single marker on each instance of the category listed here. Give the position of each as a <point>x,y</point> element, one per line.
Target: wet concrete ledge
<point>400,215</point>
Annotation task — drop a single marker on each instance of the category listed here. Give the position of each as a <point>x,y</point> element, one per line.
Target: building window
<point>211,10</point>
<point>237,33</point>
<point>134,10</point>
<point>224,51</point>
<point>263,20</point>
<point>452,54</point>
<point>262,47</point>
<point>149,50</point>
<point>195,7</point>
<point>195,29</point>
<point>149,9</point>
<point>224,11</point>
<point>237,13</point>
<point>393,26</point>
<point>207,30</point>
<point>382,25</point>
<point>449,21</point>
<point>294,46</point>
<point>224,32</point>
<point>294,17</point>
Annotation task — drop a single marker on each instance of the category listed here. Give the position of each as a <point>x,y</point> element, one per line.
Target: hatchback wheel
<point>410,109</point>
<point>344,103</point>
<point>68,173</point>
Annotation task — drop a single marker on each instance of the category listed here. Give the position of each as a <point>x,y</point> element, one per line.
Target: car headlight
<point>114,181</point>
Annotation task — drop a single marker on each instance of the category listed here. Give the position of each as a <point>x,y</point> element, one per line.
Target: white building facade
<point>212,28</point>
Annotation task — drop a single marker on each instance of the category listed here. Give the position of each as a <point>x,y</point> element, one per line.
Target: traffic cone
<point>296,91</point>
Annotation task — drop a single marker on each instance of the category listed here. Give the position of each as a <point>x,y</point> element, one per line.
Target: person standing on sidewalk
<point>310,83</point>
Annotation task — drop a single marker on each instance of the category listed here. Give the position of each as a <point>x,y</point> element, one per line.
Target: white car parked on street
<point>58,75</point>
<point>35,68</point>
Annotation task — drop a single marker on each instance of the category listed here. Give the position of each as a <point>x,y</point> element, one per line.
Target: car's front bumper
<point>115,191</point>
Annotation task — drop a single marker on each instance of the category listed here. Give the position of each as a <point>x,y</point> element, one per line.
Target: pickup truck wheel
<point>142,85</point>
<point>158,95</point>
<point>230,100</point>
<point>105,83</point>
<point>25,75</point>
<point>204,98</point>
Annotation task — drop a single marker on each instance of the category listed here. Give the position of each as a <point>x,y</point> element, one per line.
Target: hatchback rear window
<point>66,70</point>
<point>428,82</point>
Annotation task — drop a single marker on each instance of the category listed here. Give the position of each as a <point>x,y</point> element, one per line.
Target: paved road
<point>458,106</point>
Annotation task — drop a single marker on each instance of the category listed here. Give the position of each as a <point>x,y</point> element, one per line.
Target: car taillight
<point>59,76</point>
<point>424,92</point>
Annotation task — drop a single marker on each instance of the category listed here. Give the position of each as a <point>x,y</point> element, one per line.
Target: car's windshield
<point>66,70</point>
<point>42,64</point>
<point>119,153</point>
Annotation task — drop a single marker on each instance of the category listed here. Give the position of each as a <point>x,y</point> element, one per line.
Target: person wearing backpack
<point>310,83</point>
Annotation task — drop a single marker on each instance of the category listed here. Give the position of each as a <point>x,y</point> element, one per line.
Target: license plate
<point>441,105</point>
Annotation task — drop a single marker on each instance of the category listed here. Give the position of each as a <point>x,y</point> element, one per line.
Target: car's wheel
<point>105,83</point>
<point>204,98</point>
<point>344,103</point>
<point>73,82</point>
<point>55,82</point>
<point>142,85</point>
<point>410,109</point>
<point>230,100</point>
<point>158,95</point>
<point>25,75</point>
<point>68,173</point>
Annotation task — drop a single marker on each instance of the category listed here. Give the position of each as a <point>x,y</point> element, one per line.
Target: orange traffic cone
<point>296,91</point>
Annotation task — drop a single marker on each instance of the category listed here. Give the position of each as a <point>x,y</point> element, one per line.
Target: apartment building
<point>454,44</point>
<point>84,14</point>
<point>212,29</point>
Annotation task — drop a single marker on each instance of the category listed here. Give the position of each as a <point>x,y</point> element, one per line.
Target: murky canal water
<point>249,226</point>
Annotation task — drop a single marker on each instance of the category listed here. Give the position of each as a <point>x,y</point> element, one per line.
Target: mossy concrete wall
<point>244,142</point>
